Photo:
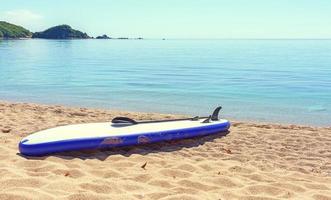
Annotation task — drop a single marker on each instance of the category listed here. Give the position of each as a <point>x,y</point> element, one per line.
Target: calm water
<point>265,80</point>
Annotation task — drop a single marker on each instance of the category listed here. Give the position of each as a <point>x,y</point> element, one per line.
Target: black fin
<point>214,116</point>
<point>207,120</point>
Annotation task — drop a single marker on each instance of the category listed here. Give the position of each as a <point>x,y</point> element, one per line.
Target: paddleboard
<point>121,132</point>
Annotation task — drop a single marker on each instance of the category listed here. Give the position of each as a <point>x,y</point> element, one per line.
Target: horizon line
<point>161,38</point>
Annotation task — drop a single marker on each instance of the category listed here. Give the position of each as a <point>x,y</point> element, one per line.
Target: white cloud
<point>22,17</point>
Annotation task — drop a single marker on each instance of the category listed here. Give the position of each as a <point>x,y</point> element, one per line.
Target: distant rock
<point>11,31</point>
<point>103,37</point>
<point>139,38</point>
<point>61,32</point>
<point>123,38</point>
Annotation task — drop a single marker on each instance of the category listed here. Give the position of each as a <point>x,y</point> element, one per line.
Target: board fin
<point>207,120</point>
<point>214,116</point>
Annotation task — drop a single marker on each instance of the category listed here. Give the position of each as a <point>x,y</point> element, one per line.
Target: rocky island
<point>103,37</point>
<point>11,31</point>
<point>61,32</point>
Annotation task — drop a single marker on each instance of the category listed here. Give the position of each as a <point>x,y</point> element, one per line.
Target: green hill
<point>61,32</point>
<point>12,31</point>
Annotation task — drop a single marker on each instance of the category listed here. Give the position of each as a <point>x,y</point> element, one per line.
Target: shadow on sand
<point>103,154</point>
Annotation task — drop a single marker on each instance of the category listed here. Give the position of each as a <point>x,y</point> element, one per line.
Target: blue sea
<point>279,81</point>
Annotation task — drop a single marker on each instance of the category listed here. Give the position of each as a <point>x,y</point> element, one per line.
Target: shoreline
<point>253,161</point>
<point>159,115</point>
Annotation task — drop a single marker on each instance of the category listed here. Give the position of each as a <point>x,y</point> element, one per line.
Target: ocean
<point>278,81</point>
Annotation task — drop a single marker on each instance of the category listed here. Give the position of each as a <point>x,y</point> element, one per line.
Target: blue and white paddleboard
<point>121,132</point>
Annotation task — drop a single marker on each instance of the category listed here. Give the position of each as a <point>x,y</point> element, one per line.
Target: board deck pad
<point>107,135</point>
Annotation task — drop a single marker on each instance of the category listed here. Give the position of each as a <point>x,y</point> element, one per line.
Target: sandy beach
<point>252,161</point>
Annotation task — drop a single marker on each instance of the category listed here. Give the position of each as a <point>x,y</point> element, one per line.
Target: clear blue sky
<point>177,18</point>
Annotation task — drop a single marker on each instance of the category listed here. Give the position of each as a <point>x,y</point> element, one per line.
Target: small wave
<point>317,108</point>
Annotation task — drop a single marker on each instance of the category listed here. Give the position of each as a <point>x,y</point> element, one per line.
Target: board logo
<point>112,141</point>
<point>143,139</point>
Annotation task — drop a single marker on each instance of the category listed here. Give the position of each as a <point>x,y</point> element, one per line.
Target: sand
<point>252,161</point>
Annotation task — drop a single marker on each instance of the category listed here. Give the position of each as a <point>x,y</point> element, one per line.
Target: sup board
<point>121,131</point>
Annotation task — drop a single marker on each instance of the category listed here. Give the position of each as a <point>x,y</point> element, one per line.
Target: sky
<point>187,19</point>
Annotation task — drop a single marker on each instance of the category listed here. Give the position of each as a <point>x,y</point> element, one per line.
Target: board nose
<point>22,145</point>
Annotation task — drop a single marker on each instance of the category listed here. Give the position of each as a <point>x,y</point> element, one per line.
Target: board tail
<point>125,121</point>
